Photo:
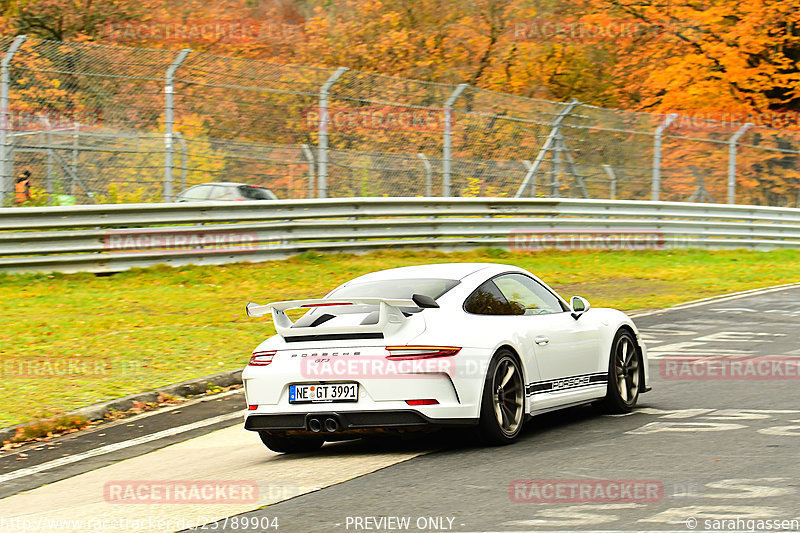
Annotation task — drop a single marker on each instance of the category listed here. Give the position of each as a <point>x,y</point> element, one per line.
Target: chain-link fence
<point>90,123</point>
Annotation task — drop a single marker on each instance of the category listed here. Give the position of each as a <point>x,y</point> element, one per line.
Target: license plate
<point>327,392</point>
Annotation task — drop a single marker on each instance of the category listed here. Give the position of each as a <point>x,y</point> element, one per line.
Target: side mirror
<point>579,306</point>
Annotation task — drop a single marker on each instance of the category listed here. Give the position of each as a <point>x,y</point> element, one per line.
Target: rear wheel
<point>624,374</point>
<point>283,444</point>
<point>503,402</point>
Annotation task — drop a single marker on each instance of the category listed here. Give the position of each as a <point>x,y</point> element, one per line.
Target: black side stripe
<point>566,383</point>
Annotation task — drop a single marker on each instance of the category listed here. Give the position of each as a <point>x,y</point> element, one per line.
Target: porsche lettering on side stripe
<point>571,382</point>
<point>568,383</point>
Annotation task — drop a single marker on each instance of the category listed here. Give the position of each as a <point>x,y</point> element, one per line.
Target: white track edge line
<point>23,472</point>
<point>716,299</point>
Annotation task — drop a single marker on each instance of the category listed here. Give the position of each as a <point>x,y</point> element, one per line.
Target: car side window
<point>199,192</point>
<point>256,193</point>
<point>222,193</point>
<point>527,296</point>
<point>488,300</point>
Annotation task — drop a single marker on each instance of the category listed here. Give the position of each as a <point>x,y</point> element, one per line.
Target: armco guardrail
<point>108,238</point>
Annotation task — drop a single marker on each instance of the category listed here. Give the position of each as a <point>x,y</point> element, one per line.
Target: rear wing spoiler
<point>389,313</point>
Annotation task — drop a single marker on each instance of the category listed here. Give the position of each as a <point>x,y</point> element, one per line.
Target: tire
<point>624,375</point>
<point>502,404</point>
<point>282,444</point>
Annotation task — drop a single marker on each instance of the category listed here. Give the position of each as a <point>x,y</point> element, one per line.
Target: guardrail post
<point>732,160</point>
<point>322,148</point>
<point>447,141</point>
<point>428,174</point>
<point>169,117</point>
<point>555,129</point>
<point>310,158</point>
<point>657,154</point>
<point>6,180</point>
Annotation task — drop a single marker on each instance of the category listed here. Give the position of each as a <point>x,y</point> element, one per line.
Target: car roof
<point>229,184</point>
<point>440,270</point>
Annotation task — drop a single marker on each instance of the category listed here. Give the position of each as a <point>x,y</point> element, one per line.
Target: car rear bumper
<point>349,421</point>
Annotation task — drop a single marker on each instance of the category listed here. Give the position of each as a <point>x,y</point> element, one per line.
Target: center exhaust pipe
<point>314,425</point>
<point>331,425</point>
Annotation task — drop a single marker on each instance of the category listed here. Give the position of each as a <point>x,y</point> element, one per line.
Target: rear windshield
<point>397,288</point>
<point>393,288</point>
<point>255,193</point>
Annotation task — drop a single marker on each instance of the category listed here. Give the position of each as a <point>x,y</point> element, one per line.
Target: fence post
<point>6,181</point>
<point>612,193</point>
<point>428,174</point>
<point>169,89</point>
<point>555,128</point>
<point>322,148</point>
<point>657,154</point>
<point>732,160</point>
<point>76,139</point>
<point>184,157</point>
<point>532,178</point>
<point>49,173</point>
<point>310,158</point>
<point>555,170</point>
<point>448,131</point>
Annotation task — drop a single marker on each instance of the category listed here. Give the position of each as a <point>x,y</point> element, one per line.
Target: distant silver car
<point>225,191</point>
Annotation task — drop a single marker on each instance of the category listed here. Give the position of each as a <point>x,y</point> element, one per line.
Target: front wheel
<point>282,444</point>
<point>503,402</point>
<point>624,374</point>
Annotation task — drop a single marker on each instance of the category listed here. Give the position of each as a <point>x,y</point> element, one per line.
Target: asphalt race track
<point>713,447</point>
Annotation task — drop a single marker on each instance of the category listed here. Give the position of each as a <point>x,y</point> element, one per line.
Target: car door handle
<point>541,340</point>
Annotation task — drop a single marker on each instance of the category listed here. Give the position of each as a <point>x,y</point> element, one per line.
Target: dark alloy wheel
<point>503,403</point>
<point>624,374</point>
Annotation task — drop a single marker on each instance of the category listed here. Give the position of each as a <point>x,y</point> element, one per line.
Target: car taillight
<point>261,358</point>
<point>422,402</point>
<point>402,353</point>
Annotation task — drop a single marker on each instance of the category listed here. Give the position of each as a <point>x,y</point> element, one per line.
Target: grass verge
<point>72,340</point>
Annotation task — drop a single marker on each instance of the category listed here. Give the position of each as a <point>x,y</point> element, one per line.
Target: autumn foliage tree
<point>735,61</point>
<point>740,56</point>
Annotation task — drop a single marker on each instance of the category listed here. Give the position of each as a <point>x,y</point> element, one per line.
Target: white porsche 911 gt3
<point>413,348</point>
